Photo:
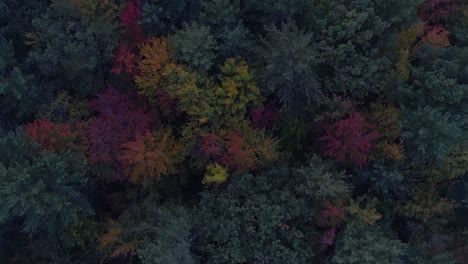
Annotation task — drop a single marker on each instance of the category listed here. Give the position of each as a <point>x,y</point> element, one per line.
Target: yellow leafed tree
<point>155,56</point>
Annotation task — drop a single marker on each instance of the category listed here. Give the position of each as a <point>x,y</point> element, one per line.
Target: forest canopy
<point>234,131</point>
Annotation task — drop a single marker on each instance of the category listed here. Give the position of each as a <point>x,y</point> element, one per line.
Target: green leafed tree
<point>72,52</point>
<point>266,218</point>
<point>430,134</point>
<point>367,245</point>
<point>47,192</point>
<point>290,64</point>
<point>195,46</point>
<point>155,233</point>
<point>20,97</point>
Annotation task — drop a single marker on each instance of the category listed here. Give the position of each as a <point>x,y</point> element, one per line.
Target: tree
<point>151,155</point>
<point>354,44</point>
<point>224,17</point>
<point>195,46</point>
<point>57,137</point>
<point>290,64</point>
<point>431,134</point>
<point>215,174</point>
<point>406,47</point>
<point>440,12</point>
<point>389,143</point>
<point>331,216</point>
<point>155,55</point>
<point>218,103</point>
<point>264,117</point>
<point>259,13</point>
<point>350,140</point>
<point>19,96</point>
<point>16,147</point>
<point>64,108</point>
<point>427,206</point>
<point>126,59</point>
<point>155,232</point>
<point>130,17</point>
<point>119,121</point>
<point>161,17</point>
<point>237,90</point>
<point>48,193</point>
<point>389,180</point>
<point>366,245</point>
<point>73,51</point>
<point>266,218</point>
<point>240,150</point>
<point>194,94</point>
<point>255,219</point>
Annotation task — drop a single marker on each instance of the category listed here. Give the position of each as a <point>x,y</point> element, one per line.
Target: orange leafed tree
<point>437,37</point>
<point>150,156</point>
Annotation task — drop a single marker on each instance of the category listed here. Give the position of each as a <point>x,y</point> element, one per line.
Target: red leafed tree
<point>264,117</point>
<point>231,152</point>
<point>240,150</point>
<point>350,140</point>
<point>436,12</point>
<point>57,137</point>
<point>126,59</point>
<point>120,120</point>
<point>130,17</point>
<point>328,238</point>
<point>331,216</point>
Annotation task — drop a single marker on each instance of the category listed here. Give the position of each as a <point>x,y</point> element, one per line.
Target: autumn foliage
<point>239,151</point>
<point>150,156</point>
<point>389,142</point>
<point>234,131</point>
<point>350,140</point>
<point>120,119</point>
<point>155,55</point>
<point>126,59</point>
<point>331,216</point>
<point>130,17</point>
<point>57,137</point>
<point>438,11</point>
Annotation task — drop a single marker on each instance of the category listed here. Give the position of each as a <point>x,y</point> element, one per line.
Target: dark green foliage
<point>266,218</point>
<point>72,52</point>
<point>224,18</point>
<point>415,256</point>
<point>431,134</point>
<point>19,95</point>
<point>290,64</point>
<point>322,181</point>
<point>440,80</point>
<point>352,43</point>
<point>15,19</point>
<point>195,46</point>
<point>46,192</point>
<point>161,232</point>
<point>367,245</point>
<point>390,180</point>
<point>259,13</point>
<point>458,191</point>
<point>14,147</point>
<point>165,16</point>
